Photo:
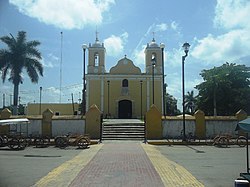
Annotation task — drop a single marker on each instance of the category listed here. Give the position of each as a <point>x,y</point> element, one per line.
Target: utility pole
<point>72,96</point>
<point>3,100</point>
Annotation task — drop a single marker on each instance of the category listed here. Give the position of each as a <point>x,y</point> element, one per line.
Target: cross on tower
<point>96,35</point>
<point>153,33</point>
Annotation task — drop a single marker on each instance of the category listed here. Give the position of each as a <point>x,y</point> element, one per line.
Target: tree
<point>190,102</point>
<point>171,105</point>
<point>20,55</point>
<point>225,90</point>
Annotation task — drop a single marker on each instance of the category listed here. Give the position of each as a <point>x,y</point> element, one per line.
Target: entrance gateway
<point>125,109</point>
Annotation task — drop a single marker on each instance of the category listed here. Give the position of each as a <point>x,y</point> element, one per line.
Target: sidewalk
<point>119,164</point>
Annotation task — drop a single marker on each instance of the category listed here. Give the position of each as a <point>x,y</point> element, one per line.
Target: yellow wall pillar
<point>200,125</point>
<point>5,114</point>
<point>93,121</point>
<point>241,115</point>
<point>153,123</point>
<point>47,123</point>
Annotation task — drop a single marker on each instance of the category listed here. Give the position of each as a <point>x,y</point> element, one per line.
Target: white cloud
<point>174,25</point>
<point>51,94</point>
<point>115,44</point>
<point>232,14</point>
<point>138,53</point>
<point>47,64</point>
<point>51,61</point>
<point>65,14</point>
<point>234,44</point>
<point>139,56</point>
<point>228,47</point>
<point>161,27</point>
<point>173,58</point>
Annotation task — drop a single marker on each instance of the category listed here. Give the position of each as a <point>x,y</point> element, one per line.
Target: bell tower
<point>96,60</point>
<point>153,56</point>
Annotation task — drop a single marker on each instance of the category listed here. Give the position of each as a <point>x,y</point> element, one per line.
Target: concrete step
<point>125,124</point>
<point>121,138</point>
<point>123,130</point>
<point>123,133</point>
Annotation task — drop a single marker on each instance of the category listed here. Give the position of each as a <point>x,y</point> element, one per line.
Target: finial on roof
<point>96,35</point>
<point>125,56</point>
<point>153,36</point>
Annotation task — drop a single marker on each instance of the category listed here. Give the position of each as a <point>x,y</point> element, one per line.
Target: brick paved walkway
<point>117,165</point>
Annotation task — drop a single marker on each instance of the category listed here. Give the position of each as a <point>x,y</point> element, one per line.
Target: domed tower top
<point>153,55</point>
<point>97,42</point>
<point>96,64</point>
<point>153,43</point>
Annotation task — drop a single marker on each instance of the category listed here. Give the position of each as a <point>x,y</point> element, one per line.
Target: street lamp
<point>162,46</point>
<point>40,106</point>
<point>141,97</point>
<point>214,94</point>
<point>153,60</point>
<point>108,97</point>
<point>84,47</point>
<point>186,49</point>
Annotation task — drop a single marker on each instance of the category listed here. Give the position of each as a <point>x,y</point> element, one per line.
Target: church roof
<point>125,66</point>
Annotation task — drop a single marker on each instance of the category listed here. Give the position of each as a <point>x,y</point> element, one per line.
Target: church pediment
<point>125,66</point>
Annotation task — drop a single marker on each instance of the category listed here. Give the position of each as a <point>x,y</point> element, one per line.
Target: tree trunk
<point>16,88</point>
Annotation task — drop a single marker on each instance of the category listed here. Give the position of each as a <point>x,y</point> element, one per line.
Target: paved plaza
<point>123,163</point>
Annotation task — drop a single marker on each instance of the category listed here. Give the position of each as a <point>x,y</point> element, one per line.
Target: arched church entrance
<point>125,109</point>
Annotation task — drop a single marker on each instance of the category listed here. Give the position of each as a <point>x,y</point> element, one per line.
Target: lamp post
<point>3,100</point>
<point>84,47</point>
<point>186,49</point>
<point>214,95</point>
<point>165,107</point>
<point>72,100</point>
<point>162,46</point>
<point>108,97</point>
<point>153,60</point>
<point>141,97</point>
<point>40,105</point>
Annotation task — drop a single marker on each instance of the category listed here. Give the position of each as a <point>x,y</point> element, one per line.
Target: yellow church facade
<point>125,91</point>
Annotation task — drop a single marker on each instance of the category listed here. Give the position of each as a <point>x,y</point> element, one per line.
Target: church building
<point>125,91</point>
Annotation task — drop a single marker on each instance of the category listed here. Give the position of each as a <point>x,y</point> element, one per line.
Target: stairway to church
<point>123,129</point>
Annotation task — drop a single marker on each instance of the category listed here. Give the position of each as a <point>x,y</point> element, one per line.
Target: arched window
<point>124,90</point>
<point>125,83</point>
<point>96,59</point>
<point>153,59</point>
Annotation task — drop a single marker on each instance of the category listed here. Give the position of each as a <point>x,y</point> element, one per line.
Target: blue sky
<point>218,31</point>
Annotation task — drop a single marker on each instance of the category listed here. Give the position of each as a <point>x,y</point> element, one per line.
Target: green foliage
<point>21,109</point>
<point>171,105</point>
<point>227,87</point>
<point>190,102</point>
<point>20,54</point>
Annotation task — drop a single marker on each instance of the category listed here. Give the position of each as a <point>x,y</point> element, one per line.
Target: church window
<point>96,59</point>
<point>124,90</point>
<point>153,59</point>
<point>125,83</point>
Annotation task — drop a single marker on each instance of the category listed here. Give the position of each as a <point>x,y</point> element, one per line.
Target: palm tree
<point>20,55</point>
<point>190,101</point>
